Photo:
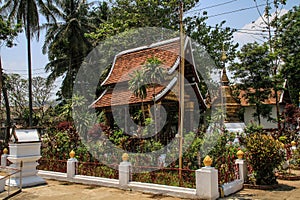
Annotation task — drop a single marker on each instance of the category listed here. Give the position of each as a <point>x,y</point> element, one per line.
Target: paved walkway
<point>287,190</point>
<point>56,190</point>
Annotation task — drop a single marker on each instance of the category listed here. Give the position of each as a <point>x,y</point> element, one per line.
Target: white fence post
<point>124,171</point>
<point>4,157</point>
<point>243,171</point>
<point>71,165</point>
<point>207,181</point>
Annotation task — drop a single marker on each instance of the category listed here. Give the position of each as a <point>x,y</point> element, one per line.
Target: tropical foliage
<point>27,13</point>
<point>75,27</point>
<point>65,42</point>
<point>288,44</point>
<point>265,155</point>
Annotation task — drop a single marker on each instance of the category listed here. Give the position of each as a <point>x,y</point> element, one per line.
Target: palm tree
<point>65,41</point>
<point>155,74</point>
<point>27,13</point>
<point>137,85</point>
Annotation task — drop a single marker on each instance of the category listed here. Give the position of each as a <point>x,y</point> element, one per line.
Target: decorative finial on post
<point>125,157</point>
<point>72,154</point>
<point>293,143</point>
<point>207,161</point>
<point>240,154</point>
<point>5,151</point>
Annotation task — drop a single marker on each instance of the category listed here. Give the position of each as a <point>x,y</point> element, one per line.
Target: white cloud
<point>253,31</point>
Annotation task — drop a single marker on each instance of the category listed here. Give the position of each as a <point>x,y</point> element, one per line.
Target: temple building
<point>118,98</point>
<point>238,112</point>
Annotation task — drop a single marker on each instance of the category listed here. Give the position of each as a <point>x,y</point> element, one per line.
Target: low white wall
<point>135,186</point>
<point>232,187</point>
<point>163,189</point>
<point>227,188</point>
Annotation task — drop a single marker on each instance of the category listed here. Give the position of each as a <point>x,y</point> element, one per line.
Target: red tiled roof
<point>271,100</point>
<point>127,62</point>
<point>123,96</point>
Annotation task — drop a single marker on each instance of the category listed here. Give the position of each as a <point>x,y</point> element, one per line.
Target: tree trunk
<point>258,114</point>
<point>7,108</point>
<point>29,68</point>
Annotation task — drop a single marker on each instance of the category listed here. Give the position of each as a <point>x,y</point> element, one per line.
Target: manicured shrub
<point>265,155</point>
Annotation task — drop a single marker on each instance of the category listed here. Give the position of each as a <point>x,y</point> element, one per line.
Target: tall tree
<point>65,41</point>
<point>42,91</point>
<point>289,45</point>
<point>7,107</point>
<point>27,13</point>
<point>125,15</point>
<point>215,39</point>
<point>254,72</point>
<point>7,34</point>
<point>17,88</point>
<point>18,94</point>
<point>270,25</point>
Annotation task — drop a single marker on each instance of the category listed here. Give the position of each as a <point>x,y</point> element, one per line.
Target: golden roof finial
<point>223,57</point>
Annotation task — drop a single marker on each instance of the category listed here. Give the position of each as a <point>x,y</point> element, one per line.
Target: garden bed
<point>292,175</point>
<point>261,187</point>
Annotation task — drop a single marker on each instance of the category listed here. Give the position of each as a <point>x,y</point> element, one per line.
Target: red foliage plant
<point>96,130</point>
<point>65,126</point>
<point>291,115</point>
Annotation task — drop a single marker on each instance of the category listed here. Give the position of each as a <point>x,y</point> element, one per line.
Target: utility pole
<point>181,85</point>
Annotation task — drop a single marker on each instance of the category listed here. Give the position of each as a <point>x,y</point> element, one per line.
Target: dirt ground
<point>56,190</point>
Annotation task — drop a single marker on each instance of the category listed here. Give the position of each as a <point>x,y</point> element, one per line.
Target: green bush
<point>224,155</point>
<point>265,156</point>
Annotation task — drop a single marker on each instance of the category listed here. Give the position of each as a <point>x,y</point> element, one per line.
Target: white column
<point>207,183</point>
<point>124,173</point>
<point>71,167</point>
<point>243,171</point>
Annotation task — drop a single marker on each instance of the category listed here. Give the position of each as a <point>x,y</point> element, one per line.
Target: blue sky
<point>14,60</point>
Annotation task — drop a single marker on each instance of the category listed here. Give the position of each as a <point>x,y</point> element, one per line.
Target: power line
<point>258,34</point>
<point>208,7</point>
<point>25,70</point>
<point>234,11</point>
